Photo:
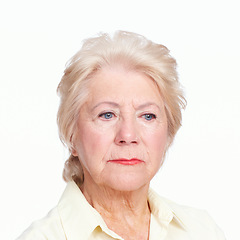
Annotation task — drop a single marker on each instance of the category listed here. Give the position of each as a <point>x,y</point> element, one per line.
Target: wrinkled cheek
<point>95,143</point>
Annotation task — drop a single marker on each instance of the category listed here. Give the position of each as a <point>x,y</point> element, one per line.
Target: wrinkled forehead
<point>121,86</point>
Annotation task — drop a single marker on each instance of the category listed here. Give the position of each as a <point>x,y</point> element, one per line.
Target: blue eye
<point>107,115</point>
<point>149,116</point>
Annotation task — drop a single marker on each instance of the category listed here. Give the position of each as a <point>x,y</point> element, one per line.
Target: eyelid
<point>100,115</point>
<point>153,115</point>
<point>106,111</point>
<point>148,113</point>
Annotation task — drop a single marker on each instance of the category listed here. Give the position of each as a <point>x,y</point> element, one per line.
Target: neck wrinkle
<point>116,205</point>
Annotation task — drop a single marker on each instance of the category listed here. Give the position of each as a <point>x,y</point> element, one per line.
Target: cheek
<point>92,143</point>
<point>156,141</point>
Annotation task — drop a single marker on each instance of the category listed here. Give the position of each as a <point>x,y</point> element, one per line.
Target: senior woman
<point>120,110</point>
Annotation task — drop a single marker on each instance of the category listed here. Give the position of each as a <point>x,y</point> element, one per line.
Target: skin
<point>123,117</point>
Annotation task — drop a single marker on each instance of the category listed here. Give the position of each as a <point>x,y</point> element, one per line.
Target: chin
<point>128,183</point>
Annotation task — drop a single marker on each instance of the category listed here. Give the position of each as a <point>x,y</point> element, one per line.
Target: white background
<point>38,37</point>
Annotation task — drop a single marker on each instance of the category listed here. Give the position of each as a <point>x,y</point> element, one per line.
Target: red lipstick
<point>124,161</point>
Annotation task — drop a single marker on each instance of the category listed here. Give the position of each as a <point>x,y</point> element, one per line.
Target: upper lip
<point>126,159</point>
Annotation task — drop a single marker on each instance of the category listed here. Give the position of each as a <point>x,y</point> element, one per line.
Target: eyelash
<point>153,116</point>
<point>103,115</point>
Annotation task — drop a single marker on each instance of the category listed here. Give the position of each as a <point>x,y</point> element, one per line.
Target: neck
<point>120,210</point>
<point>116,202</point>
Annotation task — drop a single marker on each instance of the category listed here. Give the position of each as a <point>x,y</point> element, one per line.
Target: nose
<point>127,132</point>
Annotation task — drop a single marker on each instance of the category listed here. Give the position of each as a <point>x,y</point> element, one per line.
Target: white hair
<point>133,52</point>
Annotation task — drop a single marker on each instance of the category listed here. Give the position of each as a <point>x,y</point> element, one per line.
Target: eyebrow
<point>117,105</point>
<point>105,102</point>
<point>147,104</point>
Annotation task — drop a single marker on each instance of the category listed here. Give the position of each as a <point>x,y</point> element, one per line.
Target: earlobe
<point>74,152</point>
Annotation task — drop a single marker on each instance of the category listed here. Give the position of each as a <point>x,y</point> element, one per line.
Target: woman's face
<point>122,130</point>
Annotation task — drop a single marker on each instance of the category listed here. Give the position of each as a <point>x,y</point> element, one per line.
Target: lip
<point>124,161</point>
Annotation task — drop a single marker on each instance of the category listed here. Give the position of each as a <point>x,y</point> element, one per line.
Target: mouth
<point>124,161</point>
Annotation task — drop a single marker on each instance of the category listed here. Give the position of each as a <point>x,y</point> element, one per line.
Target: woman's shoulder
<point>48,227</point>
<point>189,214</point>
<point>196,222</point>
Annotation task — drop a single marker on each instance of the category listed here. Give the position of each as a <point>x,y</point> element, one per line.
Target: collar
<point>79,218</point>
<point>164,210</point>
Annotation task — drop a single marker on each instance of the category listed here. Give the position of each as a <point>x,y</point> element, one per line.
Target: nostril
<point>126,142</point>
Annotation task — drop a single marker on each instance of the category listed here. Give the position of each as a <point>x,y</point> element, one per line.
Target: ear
<point>72,149</point>
<point>74,152</point>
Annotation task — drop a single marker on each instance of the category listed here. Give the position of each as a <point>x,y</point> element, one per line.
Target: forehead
<point>121,85</point>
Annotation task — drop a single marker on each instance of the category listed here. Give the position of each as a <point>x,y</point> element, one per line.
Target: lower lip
<point>133,161</point>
